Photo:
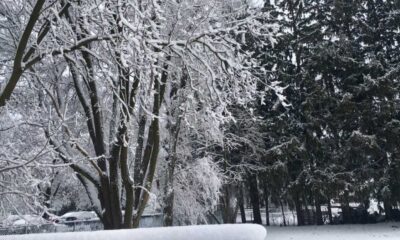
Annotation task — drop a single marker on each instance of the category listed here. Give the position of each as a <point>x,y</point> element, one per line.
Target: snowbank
<point>203,232</point>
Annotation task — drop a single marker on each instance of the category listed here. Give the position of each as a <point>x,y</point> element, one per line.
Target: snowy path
<point>389,231</point>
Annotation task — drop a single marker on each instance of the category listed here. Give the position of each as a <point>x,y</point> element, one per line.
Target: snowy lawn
<point>203,232</point>
<point>389,231</point>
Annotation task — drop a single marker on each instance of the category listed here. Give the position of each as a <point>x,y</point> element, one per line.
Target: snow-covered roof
<point>14,220</point>
<point>9,220</point>
<point>202,232</point>
<point>80,215</point>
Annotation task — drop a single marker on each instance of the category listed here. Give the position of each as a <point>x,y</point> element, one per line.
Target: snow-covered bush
<point>197,191</point>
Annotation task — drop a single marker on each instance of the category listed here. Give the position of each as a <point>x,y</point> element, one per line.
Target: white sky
<point>257,3</point>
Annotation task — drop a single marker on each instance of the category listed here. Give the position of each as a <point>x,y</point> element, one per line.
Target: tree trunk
<point>266,196</point>
<point>168,207</point>
<point>283,212</point>
<point>388,210</point>
<point>318,212</point>
<point>230,209</point>
<point>128,185</point>
<point>254,197</point>
<point>267,211</point>
<point>114,188</point>
<point>346,208</point>
<point>169,185</point>
<point>241,205</point>
<point>330,211</point>
<point>299,211</point>
<point>137,175</point>
<point>307,212</point>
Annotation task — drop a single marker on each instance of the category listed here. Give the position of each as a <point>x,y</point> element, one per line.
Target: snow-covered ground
<point>387,231</point>
<point>275,217</point>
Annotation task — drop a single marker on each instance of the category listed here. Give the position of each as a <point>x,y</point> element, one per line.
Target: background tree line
<point>338,139</point>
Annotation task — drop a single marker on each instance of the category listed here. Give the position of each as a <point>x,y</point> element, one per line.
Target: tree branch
<point>18,68</point>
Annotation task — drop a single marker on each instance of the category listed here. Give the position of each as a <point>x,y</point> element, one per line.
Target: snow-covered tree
<point>103,71</point>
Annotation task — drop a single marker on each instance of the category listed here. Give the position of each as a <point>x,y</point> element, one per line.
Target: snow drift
<point>203,232</point>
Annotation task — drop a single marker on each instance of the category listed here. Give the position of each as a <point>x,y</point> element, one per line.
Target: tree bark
<point>318,212</point>
<point>299,210</point>
<point>307,219</point>
<point>330,211</point>
<point>241,205</point>
<point>254,197</point>
<point>346,208</point>
<point>168,209</point>
<point>283,212</point>
<point>266,200</point>
<point>229,208</point>
<point>169,186</point>
<point>267,208</point>
<point>388,210</point>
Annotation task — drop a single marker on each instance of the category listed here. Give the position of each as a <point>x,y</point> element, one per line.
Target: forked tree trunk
<point>150,155</point>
